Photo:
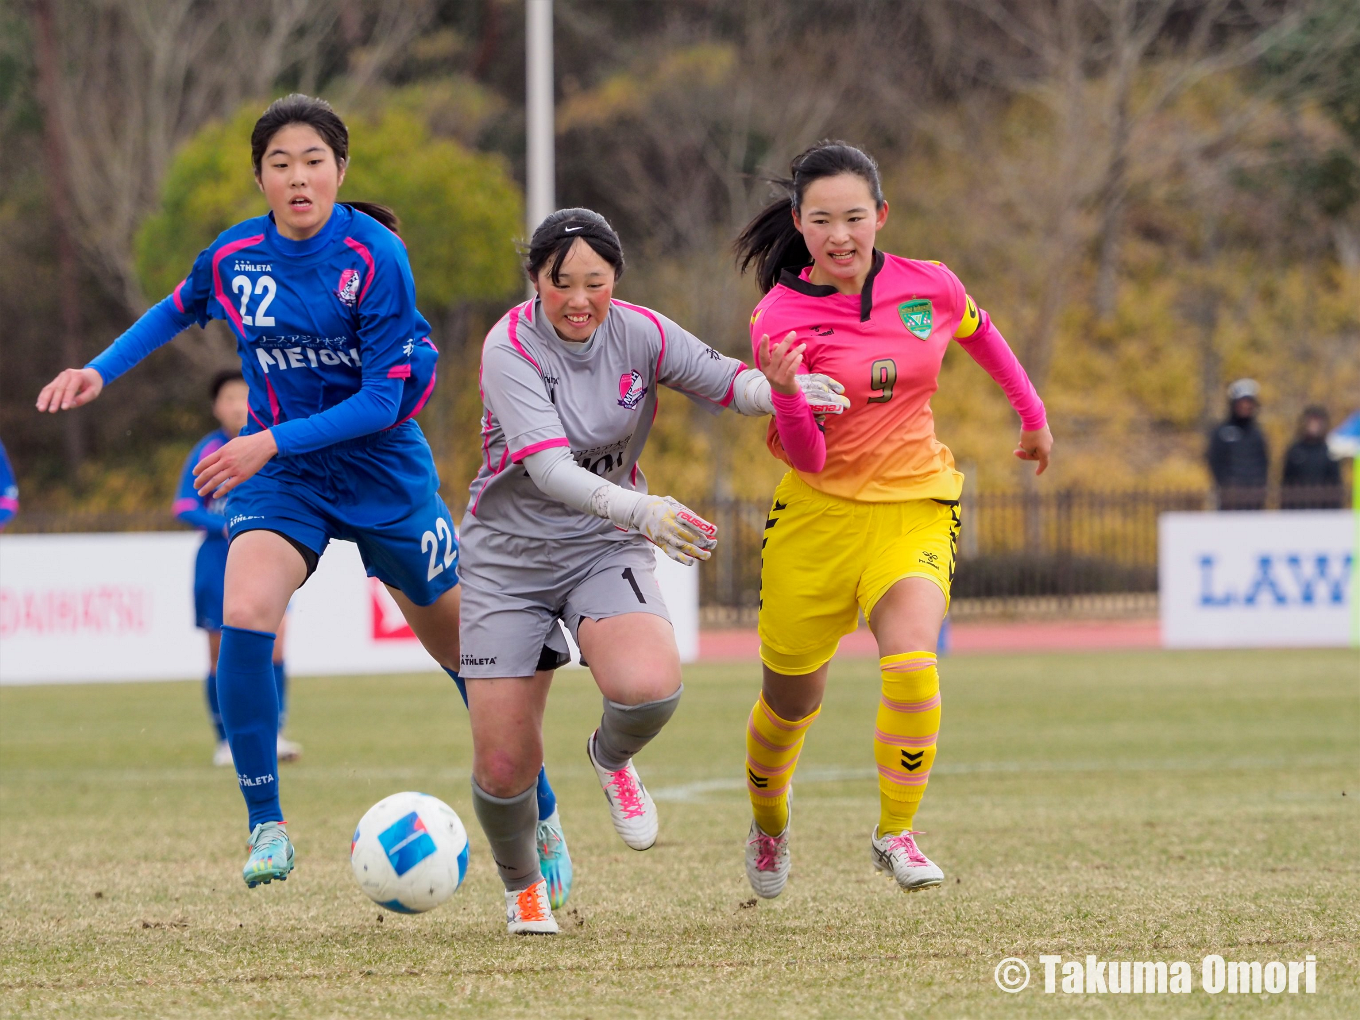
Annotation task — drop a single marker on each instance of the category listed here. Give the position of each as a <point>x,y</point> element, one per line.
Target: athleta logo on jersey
<point>631,389</point>
<point>348,289</point>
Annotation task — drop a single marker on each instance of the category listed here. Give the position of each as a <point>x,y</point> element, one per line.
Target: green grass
<point>1145,806</point>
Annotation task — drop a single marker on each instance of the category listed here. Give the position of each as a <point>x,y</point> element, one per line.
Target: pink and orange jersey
<point>885,345</point>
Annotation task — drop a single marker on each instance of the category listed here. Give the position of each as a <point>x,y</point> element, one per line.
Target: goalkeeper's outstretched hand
<point>682,534</point>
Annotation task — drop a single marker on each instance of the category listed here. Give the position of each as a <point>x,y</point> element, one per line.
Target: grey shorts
<point>516,588</point>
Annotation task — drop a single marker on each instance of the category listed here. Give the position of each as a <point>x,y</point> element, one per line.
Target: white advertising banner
<point>1256,579</point>
<point>80,608</point>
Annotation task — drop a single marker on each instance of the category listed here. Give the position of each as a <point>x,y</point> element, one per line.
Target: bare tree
<point>1105,70</point>
<point>138,78</point>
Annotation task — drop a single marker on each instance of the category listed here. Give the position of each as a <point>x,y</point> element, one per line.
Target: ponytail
<point>771,241</point>
<point>381,213</point>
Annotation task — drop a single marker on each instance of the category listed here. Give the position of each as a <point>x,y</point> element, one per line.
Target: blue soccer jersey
<point>331,343</point>
<point>209,516</point>
<point>338,360</point>
<point>9,491</point>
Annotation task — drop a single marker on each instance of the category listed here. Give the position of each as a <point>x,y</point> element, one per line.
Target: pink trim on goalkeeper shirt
<point>655,322</point>
<point>184,505</point>
<point>178,303</point>
<point>513,332</point>
<point>548,444</point>
<point>505,456</point>
<point>8,503</point>
<point>368,258</point>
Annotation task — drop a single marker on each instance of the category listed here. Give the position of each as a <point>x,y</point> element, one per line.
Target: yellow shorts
<point>826,559</point>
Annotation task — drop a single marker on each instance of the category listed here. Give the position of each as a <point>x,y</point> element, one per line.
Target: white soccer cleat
<point>527,912</point>
<point>900,857</point>
<point>630,805</point>
<point>767,861</point>
<point>222,755</point>
<point>287,749</point>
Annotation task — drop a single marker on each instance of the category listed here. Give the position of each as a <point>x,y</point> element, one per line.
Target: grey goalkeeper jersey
<point>597,399</point>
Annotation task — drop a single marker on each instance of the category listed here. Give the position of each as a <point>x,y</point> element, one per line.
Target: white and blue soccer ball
<point>409,853</point>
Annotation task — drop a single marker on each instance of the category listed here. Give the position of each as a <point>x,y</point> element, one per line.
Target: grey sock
<point>511,824</point>
<point>627,729</point>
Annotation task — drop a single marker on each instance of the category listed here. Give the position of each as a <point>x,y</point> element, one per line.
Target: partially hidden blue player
<point>9,490</point>
<point>338,361</point>
<point>231,408</point>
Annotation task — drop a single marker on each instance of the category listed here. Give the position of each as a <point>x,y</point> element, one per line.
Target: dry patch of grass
<point>1149,806</point>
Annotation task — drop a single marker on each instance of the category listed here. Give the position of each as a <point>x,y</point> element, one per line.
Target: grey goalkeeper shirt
<point>597,399</point>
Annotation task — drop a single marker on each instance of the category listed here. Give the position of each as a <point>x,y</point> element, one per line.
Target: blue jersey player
<point>338,361</point>
<point>230,406</point>
<point>9,491</point>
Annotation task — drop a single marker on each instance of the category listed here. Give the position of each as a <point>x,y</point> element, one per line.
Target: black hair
<point>770,240</point>
<point>222,378</point>
<point>554,237</point>
<point>316,114</point>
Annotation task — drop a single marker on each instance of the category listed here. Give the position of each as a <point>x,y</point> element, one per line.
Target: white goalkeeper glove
<point>682,534</point>
<point>751,394</point>
<point>824,395</point>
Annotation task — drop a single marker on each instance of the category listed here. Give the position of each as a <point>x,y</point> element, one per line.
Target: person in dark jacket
<point>1238,458</point>
<point>1311,479</point>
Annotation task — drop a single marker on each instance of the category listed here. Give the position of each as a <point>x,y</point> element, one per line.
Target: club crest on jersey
<point>631,389</point>
<point>916,317</point>
<point>348,289</point>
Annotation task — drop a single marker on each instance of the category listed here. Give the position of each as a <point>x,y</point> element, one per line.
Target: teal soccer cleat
<point>554,860</point>
<point>271,855</point>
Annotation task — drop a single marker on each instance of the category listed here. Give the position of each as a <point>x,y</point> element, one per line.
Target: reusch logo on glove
<point>697,523</point>
<point>631,390</point>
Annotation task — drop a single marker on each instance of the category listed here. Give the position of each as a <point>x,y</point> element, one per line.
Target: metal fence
<point>1064,551</point>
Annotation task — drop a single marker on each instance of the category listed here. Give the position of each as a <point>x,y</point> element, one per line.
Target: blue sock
<point>462,685</point>
<point>214,714</point>
<point>547,800</point>
<point>250,713</point>
<point>281,688</point>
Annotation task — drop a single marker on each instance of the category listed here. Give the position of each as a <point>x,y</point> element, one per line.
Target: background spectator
<point>1238,458</point>
<point>1311,480</point>
<point>9,491</point>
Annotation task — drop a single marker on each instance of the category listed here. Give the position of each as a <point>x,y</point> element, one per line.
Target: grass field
<point>1146,806</point>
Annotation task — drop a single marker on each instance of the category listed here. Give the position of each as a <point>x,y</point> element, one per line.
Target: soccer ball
<point>409,853</point>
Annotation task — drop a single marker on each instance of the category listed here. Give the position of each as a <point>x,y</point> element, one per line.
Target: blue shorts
<point>378,491</point>
<point>210,570</point>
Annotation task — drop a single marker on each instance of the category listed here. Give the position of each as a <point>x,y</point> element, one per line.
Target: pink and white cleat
<point>767,861</point>
<point>630,805</point>
<point>899,856</point>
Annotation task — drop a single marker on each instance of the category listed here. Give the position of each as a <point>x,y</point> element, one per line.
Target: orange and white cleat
<point>528,912</point>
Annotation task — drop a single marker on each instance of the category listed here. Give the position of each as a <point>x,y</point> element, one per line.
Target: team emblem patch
<point>631,389</point>
<point>348,288</point>
<point>916,316</point>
